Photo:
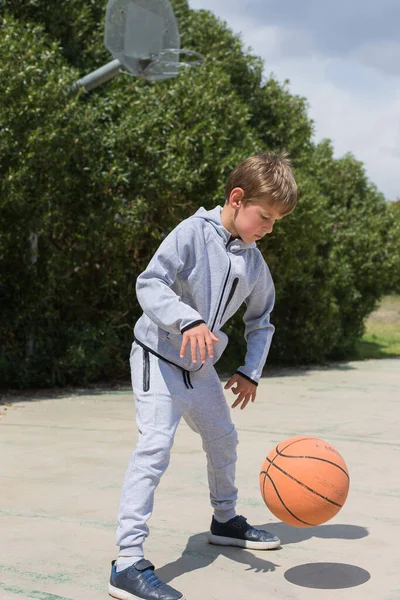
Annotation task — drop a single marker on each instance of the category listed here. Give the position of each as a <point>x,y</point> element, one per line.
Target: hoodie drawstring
<point>186,379</point>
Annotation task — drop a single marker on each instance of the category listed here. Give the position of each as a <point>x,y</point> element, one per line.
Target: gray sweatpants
<point>163,394</point>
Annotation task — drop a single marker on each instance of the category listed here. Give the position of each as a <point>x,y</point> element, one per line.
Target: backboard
<point>137,31</point>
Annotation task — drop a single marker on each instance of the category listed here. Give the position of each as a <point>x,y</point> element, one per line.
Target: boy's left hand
<point>245,388</point>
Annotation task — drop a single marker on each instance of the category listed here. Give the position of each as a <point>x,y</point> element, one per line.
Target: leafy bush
<point>393,248</point>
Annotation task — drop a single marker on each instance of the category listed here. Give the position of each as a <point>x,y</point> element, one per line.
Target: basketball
<point>304,481</point>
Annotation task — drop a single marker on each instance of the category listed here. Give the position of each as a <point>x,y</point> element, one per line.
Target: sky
<point>343,56</point>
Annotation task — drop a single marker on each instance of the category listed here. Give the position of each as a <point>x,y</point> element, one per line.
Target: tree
<point>53,175</point>
<point>75,26</point>
<point>393,248</point>
<point>360,222</point>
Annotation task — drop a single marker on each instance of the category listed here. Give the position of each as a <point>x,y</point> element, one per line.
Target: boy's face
<point>253,220</point>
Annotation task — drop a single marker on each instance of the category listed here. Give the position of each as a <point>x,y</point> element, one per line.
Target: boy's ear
<point>235,198</point>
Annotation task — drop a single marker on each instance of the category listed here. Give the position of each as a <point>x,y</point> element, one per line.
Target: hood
<point>214,218</point>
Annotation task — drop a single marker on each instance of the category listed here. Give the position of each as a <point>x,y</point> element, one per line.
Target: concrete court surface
<point>63,458</point>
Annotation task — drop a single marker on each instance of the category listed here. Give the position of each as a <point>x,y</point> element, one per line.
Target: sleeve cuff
<point>246,377</point>
<point>199,322</point>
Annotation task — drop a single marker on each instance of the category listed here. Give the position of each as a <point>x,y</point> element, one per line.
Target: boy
<point>197,279</point>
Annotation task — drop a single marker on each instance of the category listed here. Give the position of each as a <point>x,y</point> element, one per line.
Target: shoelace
<point>152,578</point>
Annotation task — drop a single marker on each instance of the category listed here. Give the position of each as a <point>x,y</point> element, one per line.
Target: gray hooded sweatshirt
<point>200,273</point>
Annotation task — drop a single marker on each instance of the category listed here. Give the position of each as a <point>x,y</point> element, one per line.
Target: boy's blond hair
<point>267,174</point>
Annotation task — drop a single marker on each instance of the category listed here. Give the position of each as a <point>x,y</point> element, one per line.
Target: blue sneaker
<point>237,532</point>
<point>139,582</point>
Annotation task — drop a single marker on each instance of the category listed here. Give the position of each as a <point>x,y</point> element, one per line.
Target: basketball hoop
<point>143,38</point>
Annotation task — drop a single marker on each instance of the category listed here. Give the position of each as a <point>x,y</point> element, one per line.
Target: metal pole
<point>101,75</point>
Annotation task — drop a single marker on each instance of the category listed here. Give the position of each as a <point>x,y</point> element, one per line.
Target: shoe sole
<point>123,595</point>
<point>220,540</point>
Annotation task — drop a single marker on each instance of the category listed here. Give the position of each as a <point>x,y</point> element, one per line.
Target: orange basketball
<point>304,481</point>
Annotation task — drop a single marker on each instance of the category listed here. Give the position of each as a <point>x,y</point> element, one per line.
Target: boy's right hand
<point>199,336</point>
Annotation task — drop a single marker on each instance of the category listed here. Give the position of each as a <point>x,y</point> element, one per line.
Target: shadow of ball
<point>294,535</point>
<point>327,576</point>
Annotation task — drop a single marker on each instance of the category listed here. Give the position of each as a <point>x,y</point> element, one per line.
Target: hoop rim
<point>171,67</point>
<point>158,56</point>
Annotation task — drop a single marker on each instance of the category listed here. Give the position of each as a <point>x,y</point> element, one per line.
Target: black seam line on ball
<point>288,446</point>
<point>294,442</point>
<point>286,508</point>
<point>265,477</point>
<point>306,486</point>
<point>316,458</point>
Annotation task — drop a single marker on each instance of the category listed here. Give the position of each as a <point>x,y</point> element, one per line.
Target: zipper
<point>224,287</point>
<point>231,294</point>
<point>146,370</point>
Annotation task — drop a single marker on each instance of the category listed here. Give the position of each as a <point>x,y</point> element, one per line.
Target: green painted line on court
<point>63,427</point>
<point>253,502</point>
<point>97,524</point>
<point>27,400</point>
<point>36,594</point>
<point>57,578</point>
<point>394,595</point>
<point>378,494</point>
<point>8,513</point>
<point>335,438</point>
